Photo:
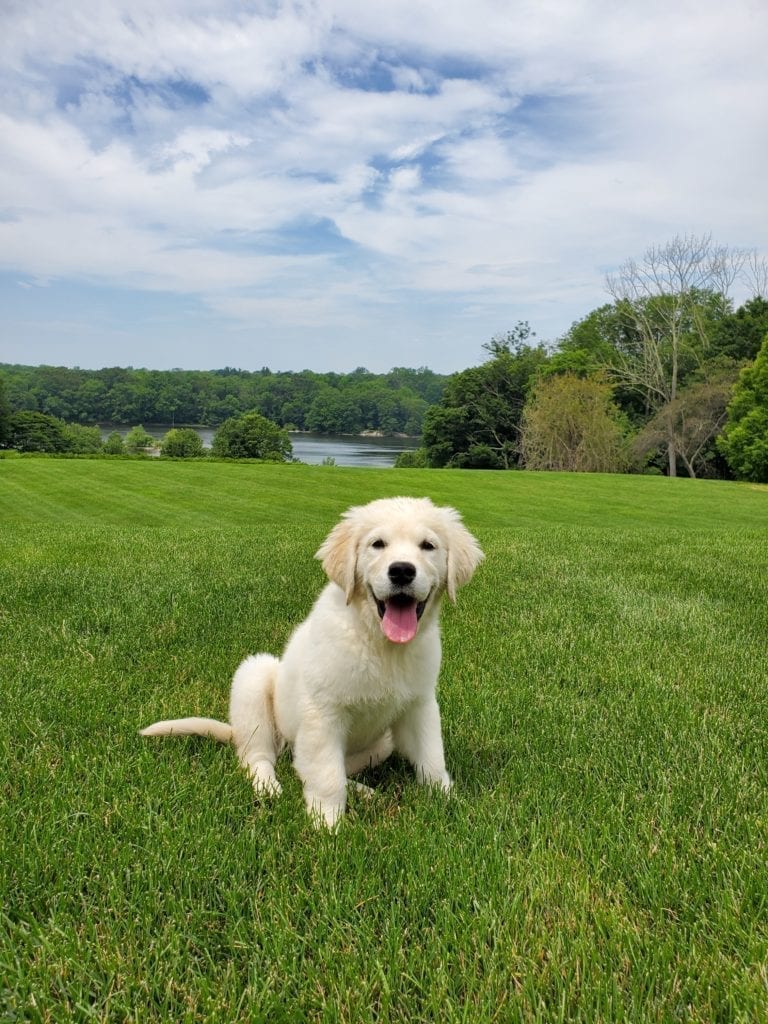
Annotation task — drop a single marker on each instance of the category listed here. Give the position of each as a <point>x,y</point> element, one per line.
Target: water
<point>350,451</point>
<point>345,450</point>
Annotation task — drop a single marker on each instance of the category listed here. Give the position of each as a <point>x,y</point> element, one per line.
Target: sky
<point>335,184</point>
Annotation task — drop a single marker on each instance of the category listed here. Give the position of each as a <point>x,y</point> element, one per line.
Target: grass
<point>605,708</point>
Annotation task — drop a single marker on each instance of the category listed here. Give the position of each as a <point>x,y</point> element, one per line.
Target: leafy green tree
<point>744,442</point>
<point>5,414</point>
<point>89,402</point>
<point>448,426</point>
<point>36,432</point>
<point>481,408</point>
<point>82,440</point>
<point>571,423</point>
<point>604,339</point>
<point>334,412</point>
<point>137,439</point>
<point>412,411</point>
<point>182,443</point>
<point>739,335</point>
<point>252,436</point>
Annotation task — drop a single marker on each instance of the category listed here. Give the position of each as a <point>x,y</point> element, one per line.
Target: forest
<point>327,403</point>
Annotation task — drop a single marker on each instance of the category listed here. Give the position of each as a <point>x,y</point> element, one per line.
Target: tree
<point>476,424</point>
<point>740,334</point>
<point>36,432</point>
<point>693,419</point>
<point>137,439</point>
<point>82,440</point>
<point>393,402</point>
<point>571,423</point>
<point>252,436</point>
<point>182,443</point>
<point>602,340</point>
<point>744,442</point>
<point>5,414</point>
<point>334,412</point>
<point>671,297</point>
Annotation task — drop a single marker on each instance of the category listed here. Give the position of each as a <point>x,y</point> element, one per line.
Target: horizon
<point>223,369</point>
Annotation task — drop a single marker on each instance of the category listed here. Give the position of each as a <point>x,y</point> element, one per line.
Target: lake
<point>345,450</point>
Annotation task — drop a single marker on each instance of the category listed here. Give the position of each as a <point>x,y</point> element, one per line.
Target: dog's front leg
<point>418,736</point>
<point>318,756</point>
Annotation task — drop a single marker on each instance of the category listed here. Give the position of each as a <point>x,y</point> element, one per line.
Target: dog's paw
<point>440,780</point>
<point>264,780</point>
<point>266,788</point>
<point>327,814</point>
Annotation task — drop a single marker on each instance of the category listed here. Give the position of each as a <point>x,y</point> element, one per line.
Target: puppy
<point>358,677</point>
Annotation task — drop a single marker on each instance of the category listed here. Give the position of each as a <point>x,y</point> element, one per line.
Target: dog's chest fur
<point>345,668</point>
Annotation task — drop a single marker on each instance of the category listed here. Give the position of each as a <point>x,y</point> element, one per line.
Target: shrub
<point>82,440</point>
<point>252,436</point>
<point>137,439</point>
<point>478,456</point>
<point>414,459</point>
<point>182,443</point>
<point>114,444</point>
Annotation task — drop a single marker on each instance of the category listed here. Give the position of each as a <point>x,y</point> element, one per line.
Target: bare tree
<point>692,420</point>
<point>756,275</point>
<point>666,297</point>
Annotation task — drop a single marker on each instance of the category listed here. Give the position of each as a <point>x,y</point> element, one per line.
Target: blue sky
<point>333,184</point>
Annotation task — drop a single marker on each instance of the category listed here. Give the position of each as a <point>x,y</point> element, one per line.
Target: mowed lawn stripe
<point>153,492</point>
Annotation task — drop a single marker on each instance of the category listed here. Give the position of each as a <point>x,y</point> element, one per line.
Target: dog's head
<point>400,554</point>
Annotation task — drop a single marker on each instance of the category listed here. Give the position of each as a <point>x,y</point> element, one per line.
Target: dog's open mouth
<point>399,615</point>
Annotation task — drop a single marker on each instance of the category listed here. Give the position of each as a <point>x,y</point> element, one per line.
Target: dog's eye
<point>427,545</point>
<point>379,544</point>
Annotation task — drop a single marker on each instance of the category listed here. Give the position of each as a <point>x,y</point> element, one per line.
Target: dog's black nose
<point>402,573</point>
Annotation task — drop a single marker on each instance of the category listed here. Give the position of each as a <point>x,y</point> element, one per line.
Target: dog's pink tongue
<point>400,623</point>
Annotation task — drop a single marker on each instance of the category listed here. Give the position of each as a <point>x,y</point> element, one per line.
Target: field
<point>605,706</point>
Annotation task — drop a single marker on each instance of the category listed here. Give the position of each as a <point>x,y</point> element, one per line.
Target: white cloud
<point>488,157</point>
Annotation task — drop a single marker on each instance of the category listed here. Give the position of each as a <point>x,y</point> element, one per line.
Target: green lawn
<point>605,709</point>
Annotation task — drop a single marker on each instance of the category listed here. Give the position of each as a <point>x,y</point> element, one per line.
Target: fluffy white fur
<point>358,677</point>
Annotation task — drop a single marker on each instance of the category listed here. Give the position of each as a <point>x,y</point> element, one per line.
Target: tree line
<point>250,436</point>
<point>668,377</point>
<point>329,403</point>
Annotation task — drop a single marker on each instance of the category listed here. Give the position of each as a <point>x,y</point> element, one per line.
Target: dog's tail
<point>220,731</point>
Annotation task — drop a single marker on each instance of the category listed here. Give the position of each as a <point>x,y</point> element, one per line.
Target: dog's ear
<point>464,553</point>
<point>338,553</point>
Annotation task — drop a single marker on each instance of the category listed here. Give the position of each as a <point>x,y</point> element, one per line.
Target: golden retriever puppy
<point>358,677</point>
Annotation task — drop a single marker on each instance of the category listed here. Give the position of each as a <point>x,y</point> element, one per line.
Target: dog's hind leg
<point>251,715</point>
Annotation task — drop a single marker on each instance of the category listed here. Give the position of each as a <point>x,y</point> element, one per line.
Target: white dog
<point>358,677</point>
